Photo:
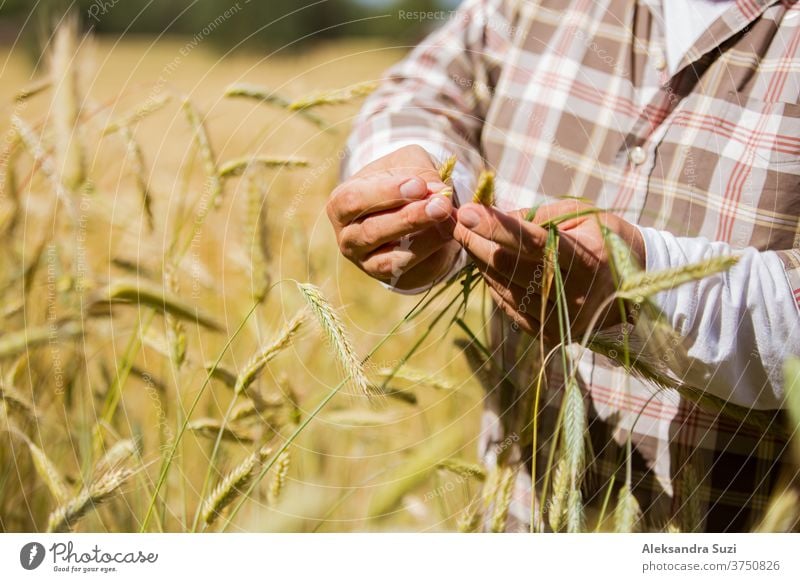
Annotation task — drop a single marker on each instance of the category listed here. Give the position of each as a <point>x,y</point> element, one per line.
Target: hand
<point>390,223</point>
<point>509,251</point>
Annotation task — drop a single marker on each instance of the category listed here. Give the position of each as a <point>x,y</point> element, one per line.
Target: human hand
<point>510,253</point>
<point>391,223</point>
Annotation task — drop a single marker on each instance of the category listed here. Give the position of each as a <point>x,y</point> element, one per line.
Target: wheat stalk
<point>335,97</point>
<point>232,485</point>
<point>484,191</point>
<point>66,106</point>
<point>337,336</point>
<point>259,361</point>
<point>65,516</point>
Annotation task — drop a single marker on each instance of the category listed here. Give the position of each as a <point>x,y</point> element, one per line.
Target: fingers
<point>524,304</point>
<point>390,264</point>
<point>560,208</point>
<point>359,238</point>
<point>504,229</point>
<point>361,196</point>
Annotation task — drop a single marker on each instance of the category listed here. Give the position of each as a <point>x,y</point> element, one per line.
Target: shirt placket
<point>638,153</point>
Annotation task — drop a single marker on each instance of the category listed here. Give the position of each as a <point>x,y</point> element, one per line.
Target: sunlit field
<point>100,398</point>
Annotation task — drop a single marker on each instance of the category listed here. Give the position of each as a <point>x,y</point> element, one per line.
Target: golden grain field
<point>358,466</point>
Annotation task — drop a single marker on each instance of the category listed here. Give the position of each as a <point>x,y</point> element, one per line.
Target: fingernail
<point>438,208</point>
<point>413,188</point>
<point>469,218</point>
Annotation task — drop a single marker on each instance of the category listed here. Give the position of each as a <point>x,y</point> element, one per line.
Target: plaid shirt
<point>573,98</point>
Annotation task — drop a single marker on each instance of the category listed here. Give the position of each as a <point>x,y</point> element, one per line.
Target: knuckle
<point>348,245</point>
<point>370,233</point>
<point>414,150</point>
<point>350,203</point>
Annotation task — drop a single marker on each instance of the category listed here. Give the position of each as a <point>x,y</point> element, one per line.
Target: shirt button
<point>637,156</point>
<point>660,62</point>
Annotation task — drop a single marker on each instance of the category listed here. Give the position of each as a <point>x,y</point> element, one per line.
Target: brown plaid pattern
<point>571,97</point>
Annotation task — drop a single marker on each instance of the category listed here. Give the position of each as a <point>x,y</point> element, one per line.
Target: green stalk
<point>171,455</point>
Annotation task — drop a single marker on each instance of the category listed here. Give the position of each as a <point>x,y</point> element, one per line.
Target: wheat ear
<point>138,292</point>
<point>203,142</point>
<point>642,285</point>
<point>259,361</point>
<point>558,499</point>
<point>65,517</point>
<point>470,519</point>
<point>336,97</point>
<point>43,161</point>
<point>463,468</point>
<point>256,234</point>
<point>48,473</point>
<point>139,173</point>
<point>446,175</point>
<point>484,191</point>
<point>269,97</point>
<point>176,332</point>
<point>232,485</point>
<point>627,513</point>
<point>239,166</point>
<point>413,376</point>
<point>280,472</point>
<point>131,118</point>
<point>15,400</point>
<point>337,336</point>
<point>502,501</point>
<point>691,514</point>
<point>211,429</point>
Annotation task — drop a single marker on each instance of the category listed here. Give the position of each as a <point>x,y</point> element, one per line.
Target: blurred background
<point>270,25</point>
<point>359,466</point>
